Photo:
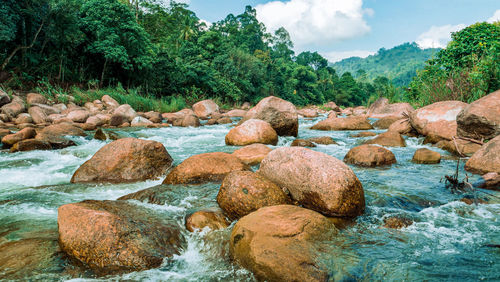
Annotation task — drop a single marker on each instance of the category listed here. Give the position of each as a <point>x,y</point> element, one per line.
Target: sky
<point>339,29</point>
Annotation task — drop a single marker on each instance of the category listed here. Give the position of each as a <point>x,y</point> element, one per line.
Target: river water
<point>449,240</point>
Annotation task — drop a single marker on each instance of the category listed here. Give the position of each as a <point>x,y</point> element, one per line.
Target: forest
<point>154,51</point>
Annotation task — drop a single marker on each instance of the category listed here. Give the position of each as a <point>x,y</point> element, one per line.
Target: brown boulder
<point>23,134</point>
<point>4,132</point>
<point>38,115</point>
<point>486,159</point>
<point>459,147</point>
<point>437,119</point>
<point>213,219</point>
<point>141,121</point>
<point>55,134</point>
<point>315,180</point>
<point>370,156</point>
<point>490,181</point>
<point>281,243</point>
<point>224,120</point>
<point>302,143</point>
<point>125,160</point>
<point>363,134</point>
<point>250,132</point>
<point>332,106</point>
<point>95,120</point>
<point>323,140</point>
<point>426,156</point>
<point>116,236</point>
<point>381,109</point>
<point>187,121</point>
<point>386,122</point>
<point>388,139</point>
<point>4,98</point>
<point>35,98</point>
<point>349,123</point>
<point>126,111</point>
<point>14,108</point>
<point>252,154</point>
<point>243,192</point>
<point>109,102</point>
<point>117,120</point>
<point>235,113</point>
<point>154,117</point>
<point>208,167</point>
<point>30,145</point>
<point>481,119</point>
<point>78,116</point>
<point>308,113</point>
<point>280,114</point>
<point>23,118</point>
<point>204,109</point>
<point>403,127</point>
<point>359,111</point>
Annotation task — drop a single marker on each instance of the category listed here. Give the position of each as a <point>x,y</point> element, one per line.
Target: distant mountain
<point>399,64</point>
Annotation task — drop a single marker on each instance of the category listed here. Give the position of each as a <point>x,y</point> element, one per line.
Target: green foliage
<point>399,64</point>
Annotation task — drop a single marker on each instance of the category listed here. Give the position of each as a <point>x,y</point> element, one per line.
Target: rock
<point>252,154</point>
<point>4,98</point>
<point>363,134</point>
<point>473,201</point>
<point>187,121</point>
<point>235,113</point>
<point>250,132</point>
<point>5,118</point>
<point>202,168</point>
<point>438,119</point>
<point>359,111</point>
<point>4,132</point>
<point>95,120</point>
<point>104,118</point>
<point>243,192</point>
<point>87,126</point>
<point>100,135</point>
<point>125,110</point>
<point>125,160</point>
<point>324,140</point>
<point>486,159</point>
<point>213,219</point>
<point>30,145</point>
<point>224,120</point>
<point>349,123</point>
<point>308,113</point>
<point>24,125</point>
<point>347,111</point>
<point>426,156</point>
<point>332,114</point>
<point>109,102</point>
<point>481,119</point>
<point>396,222</point>
<point>35,98</point>
<point>388,139</point>
<point>55,134</point>
<point>332,106</point>
<point>433,139</point>
<point>140,121</point>
<point>246,106</point>
<point>38,115</point>
<point>204,109</point>
<point>117,120</point>
<point>490,181</point>
<point>211,121</point>
<point>26,133</point>
<point>316,180</point>
<point>281,243</point>
<point>403,127</point>
<point>370,156</point>
<point>459,147</point>
<point>78,116</point>
<point>381,109</point>
<point>302,143</point>
<point>23,118</point>
<point>154,117</point>
<point>14,108</point>
<point>280,114</point>
<point>117,236</point>
<point>386,122</point>
<point>60,107</point>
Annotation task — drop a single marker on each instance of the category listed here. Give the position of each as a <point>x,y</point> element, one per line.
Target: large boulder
<point>316,180</point>
<point>187,120</point>
<point>281,243</point>
<point>459,147</point>
<point>23,134</point>
<point>204,109</point>
<point>388,139</point>
<point>308,113</point>
<point>14,108</point>
<point>437,119</point>
<point>23,118</point>
<point>141,121</point>
<point>235,113</point>
<point>332,106</point>
<point>109,102</point>
<point>252,131</point>
<point>481,119</point>
<point>213,219</point>
<point>243,192</point>
<point>35,98</point>
<point>281,114</point>
<point>487,159</point>
<point>56,134</point>
<point>370,156</point>
<point>78,115</point>
<point>426,156</point>
<point>30,145</point>
<point>386,122</point>
<point>207,167</point>
<point>117,236</point>
<point>349,123</point>
<point>252,154</point>
<point>402,126</point>
<point>41,114</point>
<point>126,111</point>
<point>125,160</point>
<point>381,109</point>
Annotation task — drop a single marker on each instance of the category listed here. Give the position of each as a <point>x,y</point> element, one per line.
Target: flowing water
<point>449,240</point>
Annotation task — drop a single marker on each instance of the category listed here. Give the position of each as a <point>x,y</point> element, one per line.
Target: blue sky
<point>343,28</point>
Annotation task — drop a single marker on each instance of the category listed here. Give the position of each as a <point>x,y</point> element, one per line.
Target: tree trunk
<point>102,74</point>
<point>13,53</point>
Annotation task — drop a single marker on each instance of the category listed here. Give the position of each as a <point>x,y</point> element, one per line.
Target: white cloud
<point>339,56</point>
<point>438,36</point>
<point>317,22</point>
<point>495,17</point>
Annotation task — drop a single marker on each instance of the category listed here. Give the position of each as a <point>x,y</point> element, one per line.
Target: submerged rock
<point>252,154</point>
<point>396,222</point>
<point>388,139</point>
<point>208,167</point>
<point>349,123</point>
<point>243,192</point>
<point>280,114</point>
<point>370,156</point>
<point>315,180</point>
<point>426,156</point>
<point>363,134</point>
<point>324,140</point>
<point>213,219</point>
<point>302,143</point>
<point>250,132</point>
<point>125,160</point>
<point>116,236</point>
<point>280,243</point>
<point>486,159</point>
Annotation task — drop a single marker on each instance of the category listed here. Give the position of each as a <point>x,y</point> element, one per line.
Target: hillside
<point>398,64</point>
